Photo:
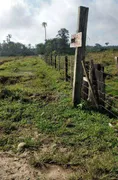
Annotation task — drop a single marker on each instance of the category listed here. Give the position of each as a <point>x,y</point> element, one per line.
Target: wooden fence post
<point>59,62</point>
<point>80,55</point>
<point>93,80</point>
<point>66,68</point>
<point>116,63</point>
<point>97,78</point>
<point>55,65</point>
<point>100,77</point>
<point>71,71</point>
<point>51,60</point>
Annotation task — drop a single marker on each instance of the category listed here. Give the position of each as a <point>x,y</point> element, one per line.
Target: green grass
<point>40,101</point>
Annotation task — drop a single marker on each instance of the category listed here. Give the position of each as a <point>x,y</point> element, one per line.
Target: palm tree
<point>8,38</point>
<point>44,24</point>
<point>107,43</point>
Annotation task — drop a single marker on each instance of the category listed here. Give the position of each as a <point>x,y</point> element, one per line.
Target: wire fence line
<point>106,101</point>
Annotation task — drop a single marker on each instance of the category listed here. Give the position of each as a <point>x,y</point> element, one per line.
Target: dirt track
<point>13,167</point>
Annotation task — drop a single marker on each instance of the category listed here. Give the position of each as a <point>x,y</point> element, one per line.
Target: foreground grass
<point>36,108</point>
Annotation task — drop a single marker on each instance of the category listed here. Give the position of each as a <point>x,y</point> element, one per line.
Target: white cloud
<point>23,19</point>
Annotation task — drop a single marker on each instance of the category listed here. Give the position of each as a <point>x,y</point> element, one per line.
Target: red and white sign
<point>76,40</point>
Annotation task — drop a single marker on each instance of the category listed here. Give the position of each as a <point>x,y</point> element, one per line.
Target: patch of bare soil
<point>9,80</point>
<point>5,61</point>
<point>16,167</point>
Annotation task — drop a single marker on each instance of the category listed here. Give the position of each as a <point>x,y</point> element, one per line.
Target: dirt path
<point>14,167</point>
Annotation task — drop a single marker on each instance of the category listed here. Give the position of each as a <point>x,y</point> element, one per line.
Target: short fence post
<point>55,62</point>
<point>71,71</point>
<point>100,77</point>
<point>51,59</point>
<point>59,62</point>
<point>66,68</point>
<point>116,61</point>
<point>93,80</point>
<point>97,78</point>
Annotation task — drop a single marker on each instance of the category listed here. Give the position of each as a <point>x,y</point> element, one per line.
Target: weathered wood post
<point>66,68</point>
<point>93,81</point>
<point>116,63</point>
<point>80,55</point>
<point>100,77</point>
<point>97,78</point>
<point>55,64</point>
<point>59,62</point>
<point>51,59</point>
<point>71,71</point>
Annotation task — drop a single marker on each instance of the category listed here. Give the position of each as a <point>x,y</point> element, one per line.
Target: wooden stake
<point>71,71</point>
<point>66,68</point>
<point>55,61</point>
<point>93,81</point>
<point>100,78</point>
<point>59,62</point>
<point>51,60</point>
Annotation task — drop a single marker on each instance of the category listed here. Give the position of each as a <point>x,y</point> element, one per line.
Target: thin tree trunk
<point>45,34</point>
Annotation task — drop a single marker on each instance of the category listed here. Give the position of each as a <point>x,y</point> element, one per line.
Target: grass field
<point>36,108</point>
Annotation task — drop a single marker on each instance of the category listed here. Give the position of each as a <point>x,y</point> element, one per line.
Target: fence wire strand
<point>109,111</point>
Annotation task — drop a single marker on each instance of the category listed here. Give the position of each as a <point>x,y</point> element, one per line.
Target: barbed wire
<point>109,111</point>
<point>100,71</point>
<point>85,93</point>
<point>85,86</point>
<point>106,85</point>
<point>108,95</point>
<point>110,105</point>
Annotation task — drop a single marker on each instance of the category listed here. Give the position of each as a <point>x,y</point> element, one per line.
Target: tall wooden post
<point>80,55</point>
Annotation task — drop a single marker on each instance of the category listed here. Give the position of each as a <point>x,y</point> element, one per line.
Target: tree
<point>107,43</point>
<point>8,38</point>
<point>44,24</point>
<point>10,48</point>
<point>63,39</point>
<point>40,48</point>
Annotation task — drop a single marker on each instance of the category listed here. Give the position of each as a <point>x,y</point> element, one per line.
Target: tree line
<point>58,45</point>
<point>10,48</point>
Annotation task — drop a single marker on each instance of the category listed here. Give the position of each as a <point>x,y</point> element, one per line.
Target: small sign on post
<point>76,40</point>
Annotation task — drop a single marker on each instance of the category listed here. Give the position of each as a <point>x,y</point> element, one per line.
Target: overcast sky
<point>23,19</point>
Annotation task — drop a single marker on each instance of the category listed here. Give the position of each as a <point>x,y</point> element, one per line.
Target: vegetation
<point>36,108</point>
<point>59,44</point>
